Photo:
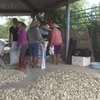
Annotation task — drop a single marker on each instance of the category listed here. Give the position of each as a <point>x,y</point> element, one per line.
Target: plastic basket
<point>95,64</point>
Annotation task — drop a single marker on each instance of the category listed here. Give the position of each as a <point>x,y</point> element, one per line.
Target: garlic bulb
<point>58,85</point>
<point>8,76</point>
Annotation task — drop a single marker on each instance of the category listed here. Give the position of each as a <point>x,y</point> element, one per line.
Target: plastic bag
<point>51,50</point>
<point>14,54</point>
<point>40,49</point>
<point>14,57</point>
<point>13,46</point>
<point>42,54</point>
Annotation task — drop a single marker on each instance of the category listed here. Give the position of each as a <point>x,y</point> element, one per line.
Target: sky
<point>93,2</point>
<point>88,5</point>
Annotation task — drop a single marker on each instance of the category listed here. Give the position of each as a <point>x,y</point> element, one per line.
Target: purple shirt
<point>22,38</point>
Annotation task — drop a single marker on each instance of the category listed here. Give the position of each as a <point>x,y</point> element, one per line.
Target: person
<point>22,45</point>
<point>45,31</point>
<point>50,22</point>
<point>43,45</point>
<point>56,41</point>
<point>34,37</point>
<point>13,31</point>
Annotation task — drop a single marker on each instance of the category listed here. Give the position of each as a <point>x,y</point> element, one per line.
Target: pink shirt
<point>56,38</point>
<point>22,38</point>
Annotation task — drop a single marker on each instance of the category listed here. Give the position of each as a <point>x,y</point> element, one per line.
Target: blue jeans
<point>33,48</point>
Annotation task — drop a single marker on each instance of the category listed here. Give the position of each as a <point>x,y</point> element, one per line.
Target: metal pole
<point>33,16</point>
<point>67,27</point>
<point>92,27</point>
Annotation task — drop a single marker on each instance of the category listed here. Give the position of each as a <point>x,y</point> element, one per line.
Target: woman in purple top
<point>22,45</point>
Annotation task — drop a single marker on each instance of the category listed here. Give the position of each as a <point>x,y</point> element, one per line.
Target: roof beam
<point>72,1</point>
<point>30,6</point>
<point>15,11</point>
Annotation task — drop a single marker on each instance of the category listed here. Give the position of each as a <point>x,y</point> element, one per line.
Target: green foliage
<point>78,20</point>
<point>79,5</point>
<point>3,32</point>
<point>21,19</point>
<point>59,15</point>
<point>78,15</point>
<point>4,29</point>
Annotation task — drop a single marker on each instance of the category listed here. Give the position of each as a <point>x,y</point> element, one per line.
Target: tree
<point>3,32</point>
<point>59,15</point>
<point>4,29</point>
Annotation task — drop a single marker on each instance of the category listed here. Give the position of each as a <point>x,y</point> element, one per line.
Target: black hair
<point>14,19</point>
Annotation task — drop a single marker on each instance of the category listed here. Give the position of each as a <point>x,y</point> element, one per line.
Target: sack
<point>82,52</point>
<point>1,47</point>
<point>40,50</point>
<point>13,46</point>
<point>14,54</point>
<point>14,57</point>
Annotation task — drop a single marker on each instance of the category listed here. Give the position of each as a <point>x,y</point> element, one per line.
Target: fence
<point>89,18</point>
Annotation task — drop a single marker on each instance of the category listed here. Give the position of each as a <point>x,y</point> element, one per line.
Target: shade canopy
<point>27,7</point>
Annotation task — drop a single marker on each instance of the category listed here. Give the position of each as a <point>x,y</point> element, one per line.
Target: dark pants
<point>33,48</point>
<point>23,51</point>
<point>57,49</point>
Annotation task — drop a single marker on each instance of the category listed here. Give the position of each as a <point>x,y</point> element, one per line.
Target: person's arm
<point>23,37</point>
<point>52,37</point>
<point>10,34</point>
<point>38,35</point>
<point>27,33</point>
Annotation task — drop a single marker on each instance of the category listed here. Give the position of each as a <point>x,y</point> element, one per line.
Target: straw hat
<point>54,25</point>
<point>34,23</point>
<point>47,27</point>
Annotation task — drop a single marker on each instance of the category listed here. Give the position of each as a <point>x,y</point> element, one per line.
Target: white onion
<point>8,76</point>
<point>58,85</point>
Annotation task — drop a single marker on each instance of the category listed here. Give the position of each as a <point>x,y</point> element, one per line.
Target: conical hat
<point>47,27</point>
<point>54,25</point>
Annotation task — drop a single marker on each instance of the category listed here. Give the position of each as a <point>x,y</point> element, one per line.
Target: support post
<point>33,16</point>
<point>67,27</point>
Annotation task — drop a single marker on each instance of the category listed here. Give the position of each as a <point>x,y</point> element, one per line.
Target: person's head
<point>46,27</point>
<point>54,25</point>
<point>20,24</point>
<point>15,21</point>
<point>50,22</point>
<point>34,24</point>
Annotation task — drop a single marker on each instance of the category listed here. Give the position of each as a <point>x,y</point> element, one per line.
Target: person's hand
<point>19,46</point>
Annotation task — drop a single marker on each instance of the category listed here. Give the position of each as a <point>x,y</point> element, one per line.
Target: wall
<point>82,38</point>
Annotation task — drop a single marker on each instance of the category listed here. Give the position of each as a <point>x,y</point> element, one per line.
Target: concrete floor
<point>33,74</point>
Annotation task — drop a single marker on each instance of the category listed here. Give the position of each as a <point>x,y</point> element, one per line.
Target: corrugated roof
<point>27,7</point>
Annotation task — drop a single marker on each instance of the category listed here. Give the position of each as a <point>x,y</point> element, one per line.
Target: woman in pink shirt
<point>56,41</point>
<point>22,45</point>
